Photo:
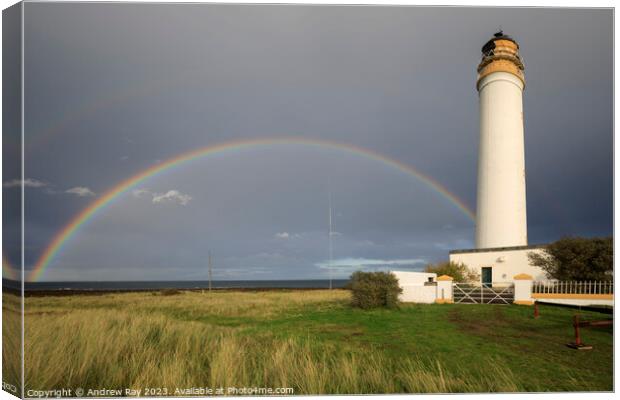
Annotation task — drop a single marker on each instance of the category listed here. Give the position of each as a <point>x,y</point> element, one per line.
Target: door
<point>487,276</point>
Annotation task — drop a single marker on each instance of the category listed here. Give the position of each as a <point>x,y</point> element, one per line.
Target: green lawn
<point>312,341</point>
<point>460,335</point>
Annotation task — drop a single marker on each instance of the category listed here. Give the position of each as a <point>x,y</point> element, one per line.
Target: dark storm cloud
<point>11,132</point>
<point>114,88</point>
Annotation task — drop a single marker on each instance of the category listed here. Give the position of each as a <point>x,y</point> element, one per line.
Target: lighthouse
<point>501,249</point>
<point>501,211</point>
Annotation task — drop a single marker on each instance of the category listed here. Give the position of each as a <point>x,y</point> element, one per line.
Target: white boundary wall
<point>579,302</point>
<point>583,293</point>
<point>414,290</point>
<point>417,290</point>
<point>419,294</point>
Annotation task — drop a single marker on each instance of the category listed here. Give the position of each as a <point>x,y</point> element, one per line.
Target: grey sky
<point>112,89</point>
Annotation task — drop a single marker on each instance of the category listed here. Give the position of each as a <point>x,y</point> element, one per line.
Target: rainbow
<point>69,230</point>
<point>8,271</point>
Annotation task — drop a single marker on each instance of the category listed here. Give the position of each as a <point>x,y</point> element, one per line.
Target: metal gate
<point>469,293</point>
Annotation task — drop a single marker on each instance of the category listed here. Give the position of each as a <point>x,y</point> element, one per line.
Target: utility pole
<point>331,248</point>
<point>210,270</point>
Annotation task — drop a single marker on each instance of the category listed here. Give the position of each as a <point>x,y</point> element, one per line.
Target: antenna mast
<point>210,270</point>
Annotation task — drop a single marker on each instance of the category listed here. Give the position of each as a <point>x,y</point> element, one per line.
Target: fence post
<point>523,289</point>
<point>444,289</point>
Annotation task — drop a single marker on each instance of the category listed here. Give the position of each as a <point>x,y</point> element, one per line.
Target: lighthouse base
<point>500,265</point>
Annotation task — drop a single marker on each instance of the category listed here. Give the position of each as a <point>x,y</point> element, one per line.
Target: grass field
<point>312,341</point>
<point>11,342</point>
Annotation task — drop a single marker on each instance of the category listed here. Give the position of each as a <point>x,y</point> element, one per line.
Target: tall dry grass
<point>141,340</point>
<point>193,304</point>
<point>11,340</point>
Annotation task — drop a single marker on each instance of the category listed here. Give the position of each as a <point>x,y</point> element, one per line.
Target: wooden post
<point>578,344</point>
<point>576,325</point>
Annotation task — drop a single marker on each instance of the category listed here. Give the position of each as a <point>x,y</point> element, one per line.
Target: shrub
<point>375,289</point>
<point>458,271</point>
<point>577,259</point>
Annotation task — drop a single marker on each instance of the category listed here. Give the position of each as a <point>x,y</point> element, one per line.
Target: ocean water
<point>154,285</point>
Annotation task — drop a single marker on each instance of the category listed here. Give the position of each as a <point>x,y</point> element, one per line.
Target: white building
<point>500,265</point>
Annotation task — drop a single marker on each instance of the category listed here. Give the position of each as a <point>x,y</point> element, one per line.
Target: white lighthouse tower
<point>501,251</point>
<point>501,214</point>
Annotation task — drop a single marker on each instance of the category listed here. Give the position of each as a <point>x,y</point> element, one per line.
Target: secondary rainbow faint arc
<point>8,271</point>
<point>87,213</point>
